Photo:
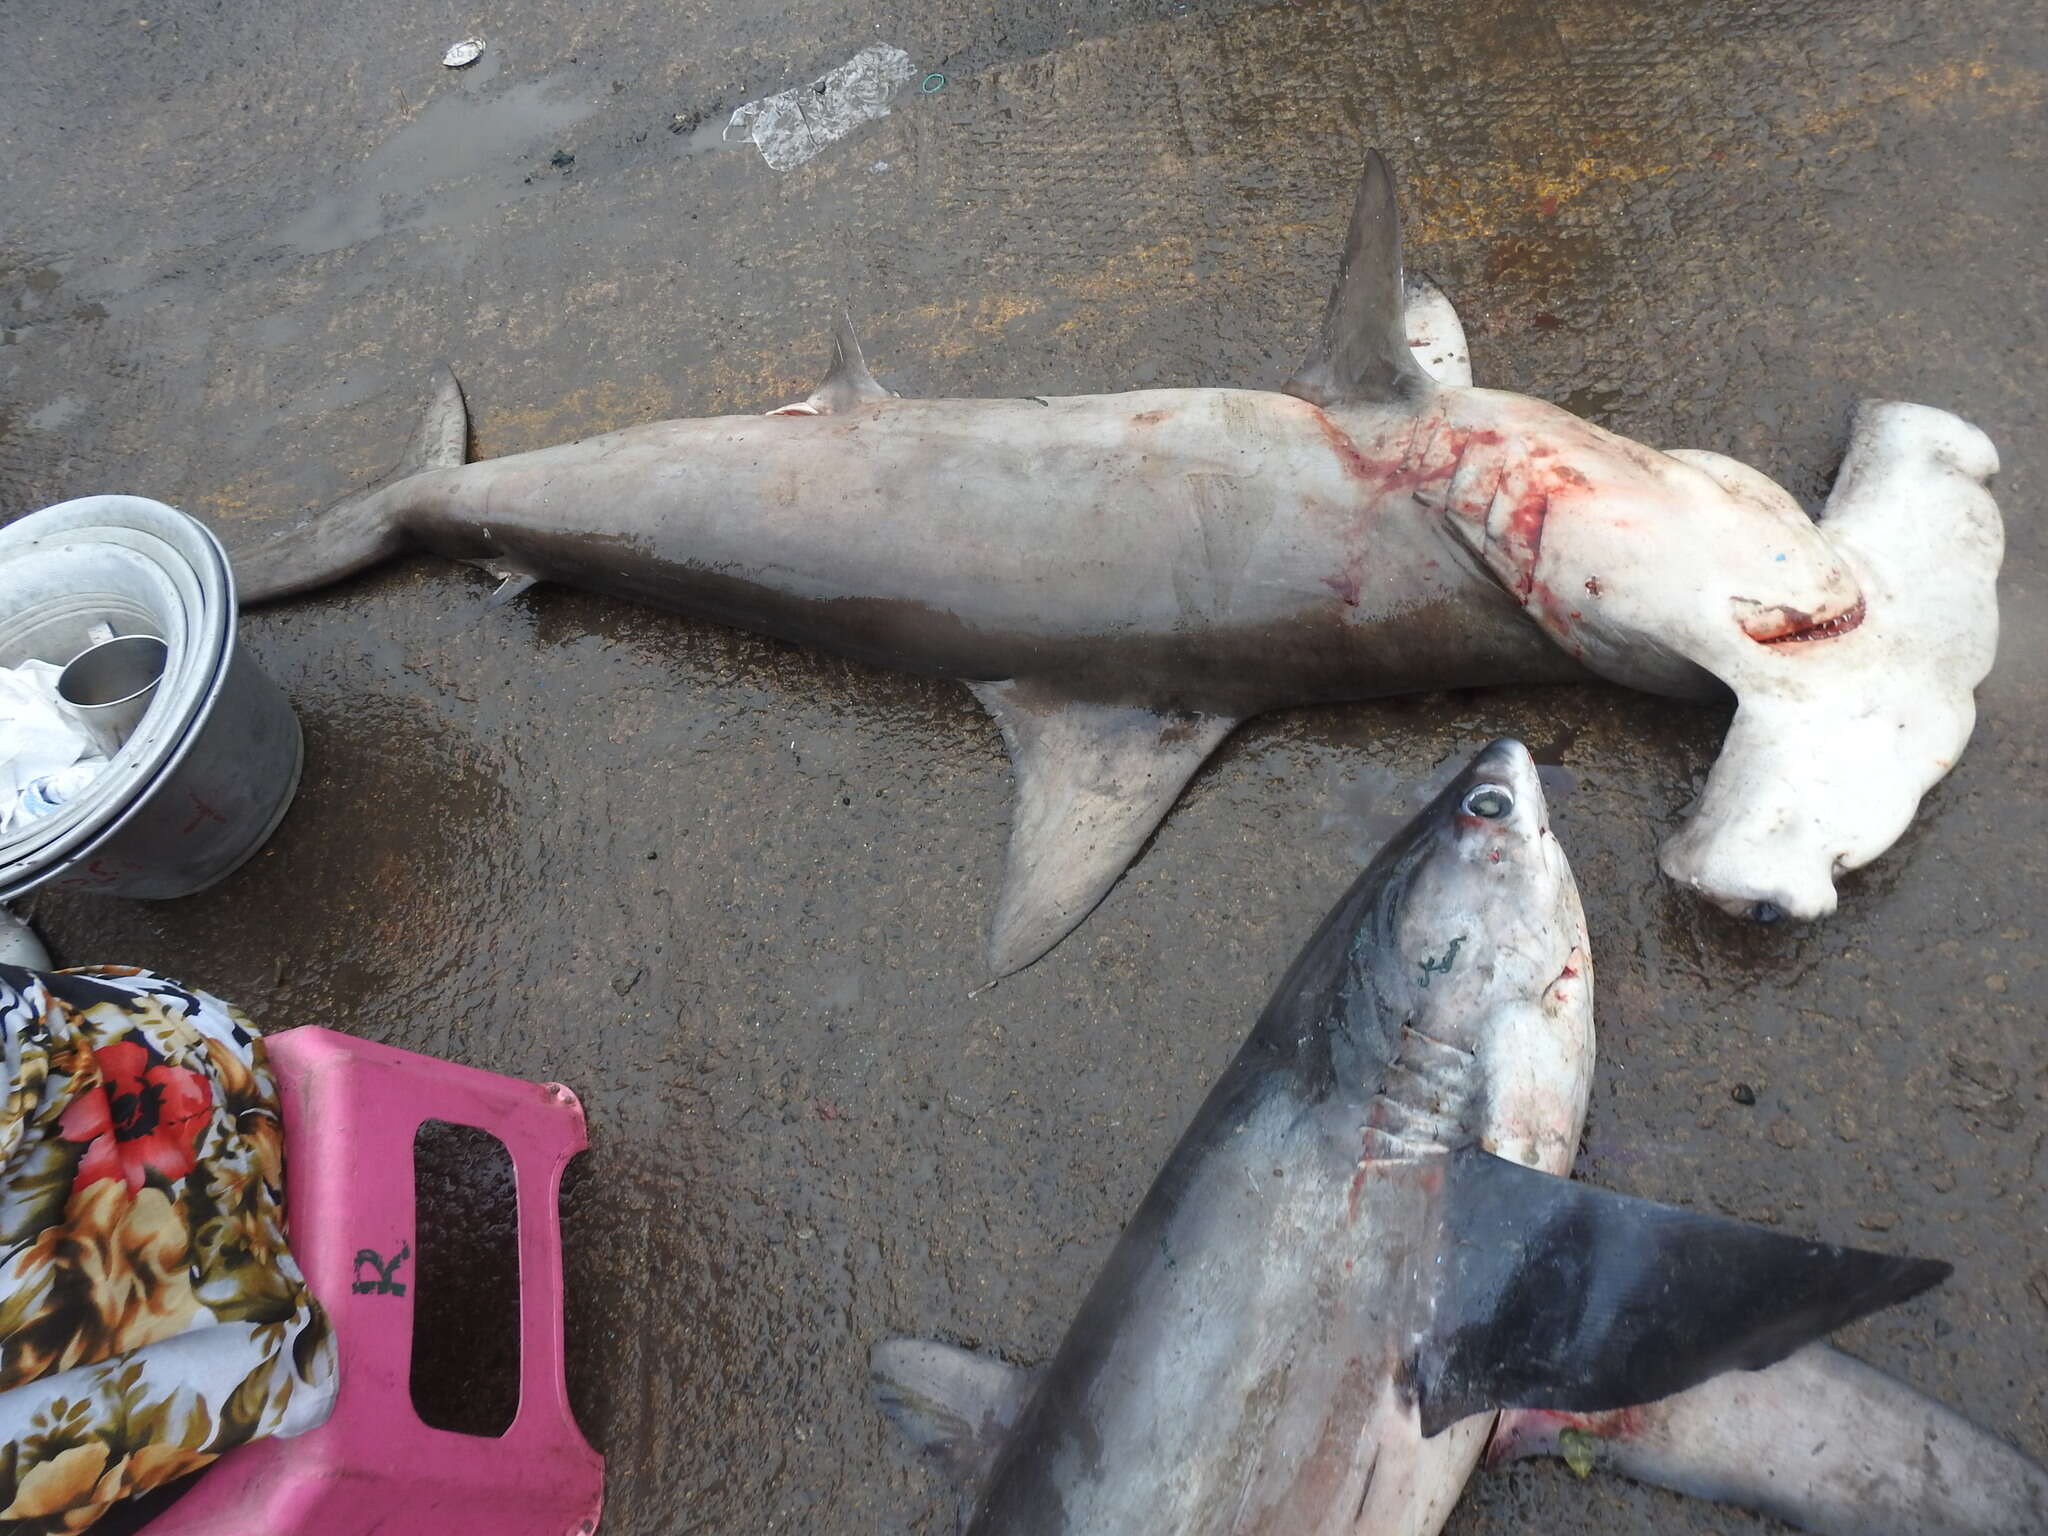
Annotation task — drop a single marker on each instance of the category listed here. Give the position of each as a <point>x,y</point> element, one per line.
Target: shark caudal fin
<point>364,528</point>
<point>954,1405</point>
<point>1361,354</point>
<point>1093,780</point>
<point>1818,1440</point>
<point>1558,1295</point>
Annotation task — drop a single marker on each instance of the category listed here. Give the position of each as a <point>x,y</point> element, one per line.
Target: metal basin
<point>211,767</point>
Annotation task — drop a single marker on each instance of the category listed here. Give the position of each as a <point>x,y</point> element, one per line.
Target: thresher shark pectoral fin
<point>1559,1295</point>
<point>1093,780</point>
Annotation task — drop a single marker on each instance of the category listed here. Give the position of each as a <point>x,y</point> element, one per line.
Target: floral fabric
<point>151,1316</point>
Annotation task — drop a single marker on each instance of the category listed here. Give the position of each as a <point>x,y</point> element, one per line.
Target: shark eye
<point>1489,801</point>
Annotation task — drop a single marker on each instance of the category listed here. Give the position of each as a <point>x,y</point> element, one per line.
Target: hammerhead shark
<point>1121,579</point>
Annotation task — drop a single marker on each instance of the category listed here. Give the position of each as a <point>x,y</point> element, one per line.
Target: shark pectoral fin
<point>1361,354</point>
<point>1093,780</point>
<point>1558,1295</point>
<point>954,1405</point>
<point>1819,1440</point>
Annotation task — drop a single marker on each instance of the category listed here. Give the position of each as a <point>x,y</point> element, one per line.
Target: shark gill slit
<point>1422,1101</point>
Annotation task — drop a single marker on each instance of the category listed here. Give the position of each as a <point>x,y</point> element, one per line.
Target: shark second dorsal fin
<point>952,1404</point>
<point>1361,355</point>
<point>1093,780</point>
<point>1558,1295</point>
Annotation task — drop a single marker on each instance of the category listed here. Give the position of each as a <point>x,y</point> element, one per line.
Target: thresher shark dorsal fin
<point>1559,1295</point>
<point>1093,780</point>
<point>1361,355</point>
<point>954,1405</point>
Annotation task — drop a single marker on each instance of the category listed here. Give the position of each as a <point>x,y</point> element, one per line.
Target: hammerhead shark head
<point>1123,578</point>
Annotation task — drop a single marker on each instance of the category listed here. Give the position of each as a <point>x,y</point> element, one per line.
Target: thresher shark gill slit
<point>1122,579</point>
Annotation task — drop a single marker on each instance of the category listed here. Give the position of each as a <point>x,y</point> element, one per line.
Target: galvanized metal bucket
<point>210,769</point>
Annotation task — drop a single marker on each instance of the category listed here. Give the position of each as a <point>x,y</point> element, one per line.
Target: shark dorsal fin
<point>1361,355</point>
<point>847,382</point>
<point>1093,780</point>
<point>847,385</point>
<point>1559,1295</point>
<point>954,1405</point>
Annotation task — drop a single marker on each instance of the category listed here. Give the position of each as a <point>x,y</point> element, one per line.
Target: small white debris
<point>464,53</point>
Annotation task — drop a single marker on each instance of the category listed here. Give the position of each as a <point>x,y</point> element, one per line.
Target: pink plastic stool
<point>351,1112</point>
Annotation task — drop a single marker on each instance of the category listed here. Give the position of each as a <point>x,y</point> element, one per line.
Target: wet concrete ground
<point>734,893</point>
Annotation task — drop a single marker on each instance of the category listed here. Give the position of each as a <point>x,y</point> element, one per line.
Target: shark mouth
<point>1790,626</point>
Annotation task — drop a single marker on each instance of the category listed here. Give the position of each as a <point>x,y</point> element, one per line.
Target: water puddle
<point>466,153</point>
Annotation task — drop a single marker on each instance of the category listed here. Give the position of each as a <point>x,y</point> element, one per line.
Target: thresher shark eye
<point>1489,801</point>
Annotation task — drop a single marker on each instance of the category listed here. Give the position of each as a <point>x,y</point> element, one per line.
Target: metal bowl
<point>212,766</point>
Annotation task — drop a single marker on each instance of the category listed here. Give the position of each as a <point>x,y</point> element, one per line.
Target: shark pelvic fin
<point>954,1405</point>
<point>1093,780</point>
<point>514,581</point>
<point>1361,355</point>
<point>1558,1295</point>
<point>1819,1440</point>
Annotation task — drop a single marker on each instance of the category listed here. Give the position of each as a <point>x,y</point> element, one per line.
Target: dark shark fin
<point>1361,355</point>
<point>1093,780</point>
<point>364,528</point>
<point>1819,1440</point>
<point>955,1406</point>
<point>1558,1295</point>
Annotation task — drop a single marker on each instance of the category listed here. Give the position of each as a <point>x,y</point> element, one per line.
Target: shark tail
<point>1819,1440</point>
<point>365,528</point>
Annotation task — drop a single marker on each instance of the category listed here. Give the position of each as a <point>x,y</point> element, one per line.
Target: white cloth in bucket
<point>45,756</point>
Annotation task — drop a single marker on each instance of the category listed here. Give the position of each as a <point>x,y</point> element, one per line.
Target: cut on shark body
<point>1122,579</point>
<point>1366,1248</point>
